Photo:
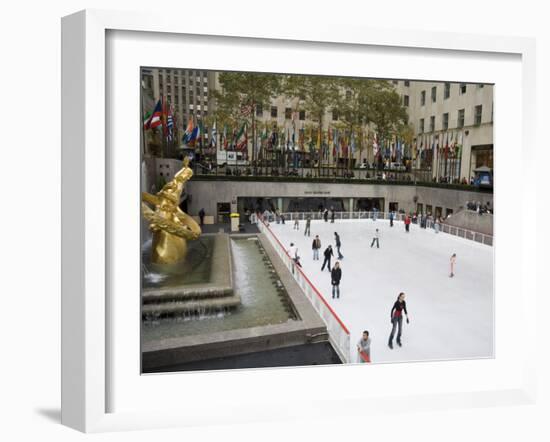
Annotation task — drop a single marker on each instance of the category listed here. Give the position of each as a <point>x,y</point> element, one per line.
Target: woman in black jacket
<point>336,276</point>
<point>396,316</point>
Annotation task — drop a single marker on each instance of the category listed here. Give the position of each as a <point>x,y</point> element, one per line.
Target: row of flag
<point>342,142</point>
<point>161,116</point>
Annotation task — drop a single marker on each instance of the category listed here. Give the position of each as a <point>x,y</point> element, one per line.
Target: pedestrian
<point>307,230</point>
<point>363,348</point>
<point>332,214</point>
<point>336,276</point>
<point>453,262</point>
<point>396,316</point>
<point>296,225</point>
<point>325,214</point>
<point>327,254</point>
<point>375,238</point>
<point>202,213</point>
<point>316,246</point>
<point>407,223</point>
<point>391,219</point>
<point>338,245</point>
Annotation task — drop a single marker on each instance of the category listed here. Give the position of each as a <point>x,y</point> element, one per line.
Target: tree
<point>386,112</point>
<point>316,96</point>
<point>240,95</point>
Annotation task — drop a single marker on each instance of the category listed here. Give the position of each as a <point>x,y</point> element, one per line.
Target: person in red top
<point>407,223</point>
<point>397,318</point>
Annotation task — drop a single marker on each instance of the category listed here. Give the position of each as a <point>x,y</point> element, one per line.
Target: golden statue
<point>171,227</point>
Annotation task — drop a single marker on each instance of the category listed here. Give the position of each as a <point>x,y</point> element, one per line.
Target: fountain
<point>210,296</point>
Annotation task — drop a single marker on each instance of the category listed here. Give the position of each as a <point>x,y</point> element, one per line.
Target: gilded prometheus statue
<point>171,227</point>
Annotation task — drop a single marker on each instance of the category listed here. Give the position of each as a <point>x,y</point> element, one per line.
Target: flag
<point>170,125</point>
<point>155,118</point>
<point>224,144</point>
<point>146,118</point>
<point>352,143</point>
<point>241,140</point>
<point>188,131</point>
<point>375,144</point>
<point>213,140</point>
<point>164,117</point>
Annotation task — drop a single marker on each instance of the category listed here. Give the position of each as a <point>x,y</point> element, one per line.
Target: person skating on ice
<point>336,276</point>
<point>453,262</point>
<point>338,245</point>
<point>316,246</point>
<point>328,255</point>
<point>296,225</point>
<point>391,219</point>
<point>307,230</point>
<point>407,223</point>
<point>332,214</point>
<point>396,316</point>
<point>375,239</point>
<point>325,214</point>
<point>363,348</point>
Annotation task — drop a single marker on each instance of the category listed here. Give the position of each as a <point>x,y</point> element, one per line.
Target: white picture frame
<point>86,316</point>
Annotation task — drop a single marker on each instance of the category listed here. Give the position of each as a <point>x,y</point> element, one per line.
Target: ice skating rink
<point>450,318</point>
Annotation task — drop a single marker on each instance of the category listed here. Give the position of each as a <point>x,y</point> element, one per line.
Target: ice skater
<point>307,230</point>
<point>391,219</point>
<point>453,262</point>
<point>325,214</point>
<point>332,215</point>
<point>338,245</point>
<point>407,223</point>
<point>363,348</point>
<point>296,225</point>
<point>375,238</point>
<point>396,316</point>
<point>336,276</point>
<point>316,246</point>
<point>328,254</point>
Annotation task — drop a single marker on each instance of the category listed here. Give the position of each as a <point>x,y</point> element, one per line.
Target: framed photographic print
<point>290,214</point>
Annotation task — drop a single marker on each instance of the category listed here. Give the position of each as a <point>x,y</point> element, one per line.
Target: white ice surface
<point>450,318</point>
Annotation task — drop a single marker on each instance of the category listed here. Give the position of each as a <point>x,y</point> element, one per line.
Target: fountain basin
<point>286,319</point>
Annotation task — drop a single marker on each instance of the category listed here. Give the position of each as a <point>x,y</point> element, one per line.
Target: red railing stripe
<point>317,292</point>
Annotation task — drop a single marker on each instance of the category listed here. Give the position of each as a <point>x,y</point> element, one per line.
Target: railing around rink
<point>338,332</point>
<point>471,235</point>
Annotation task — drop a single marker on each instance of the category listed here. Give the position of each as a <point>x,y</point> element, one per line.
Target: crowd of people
<point>399,308</point>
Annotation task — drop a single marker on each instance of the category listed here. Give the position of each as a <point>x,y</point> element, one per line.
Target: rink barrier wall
<point>339,334</point>
<point>471,235</point>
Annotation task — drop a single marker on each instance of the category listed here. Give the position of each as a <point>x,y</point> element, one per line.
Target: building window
<point>334,115</point>
<point>259,110</point>
<point>273,111</point>
<point>302,115</point>
<point>406,100</point>
<point>477,114</point>
<point>447,91</point>
<point>432,123</point>
<point>460,121</point>
<point>422,98</point>
<point>288,113</point>
<point>407,83</point>
<point>462,88</point>
<point>434,94</point>
<point>421,125</point>
<point>168,89</point>
<point>446,121</point>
